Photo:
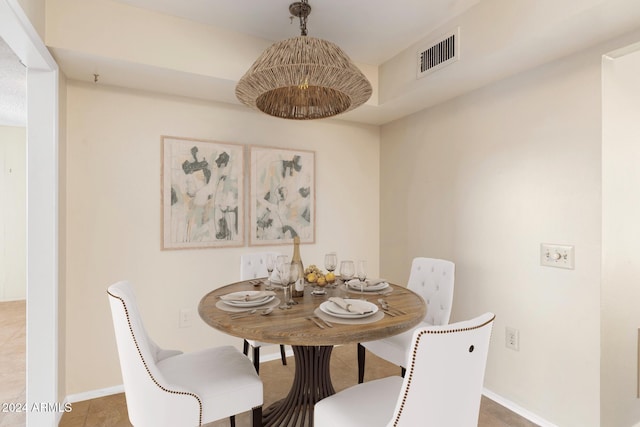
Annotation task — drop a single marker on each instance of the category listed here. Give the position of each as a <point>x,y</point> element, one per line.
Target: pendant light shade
<point>303,78</point>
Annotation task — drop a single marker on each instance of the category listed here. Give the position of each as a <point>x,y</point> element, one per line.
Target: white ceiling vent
<point>438,54</point>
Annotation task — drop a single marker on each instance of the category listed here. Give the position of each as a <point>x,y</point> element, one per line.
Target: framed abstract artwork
<point>202,193</point>
<point>282,196</point>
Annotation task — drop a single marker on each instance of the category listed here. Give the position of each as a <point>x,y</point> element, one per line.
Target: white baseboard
<point>275,355</point>
<point>14,299</point>
<point>517,409</point>
<point>94,394</point>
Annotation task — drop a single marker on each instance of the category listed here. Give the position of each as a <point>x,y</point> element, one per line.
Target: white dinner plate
<point>251,303</point>
<point>254,303</point>
<point>355,285</point>
<point>333,309</point>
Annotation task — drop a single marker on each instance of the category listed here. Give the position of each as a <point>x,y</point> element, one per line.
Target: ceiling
<point>370,31</point>
<point>498,38</point>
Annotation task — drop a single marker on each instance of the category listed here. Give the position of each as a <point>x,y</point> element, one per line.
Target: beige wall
<point>621,240</point>
<point>113,214</point>
<point>483,180</point>
<point>13,213</point>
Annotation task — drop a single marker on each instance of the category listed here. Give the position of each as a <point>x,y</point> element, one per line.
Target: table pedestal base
<point>311,383</point>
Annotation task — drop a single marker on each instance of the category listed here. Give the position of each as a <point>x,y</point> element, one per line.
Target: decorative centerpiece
<point>315,276</point>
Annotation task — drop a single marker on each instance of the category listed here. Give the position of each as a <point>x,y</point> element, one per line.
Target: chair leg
<point>403,371</point>
<point>361,355</point>
<point>232,420</point>
<point>257,416</point>
<point>256,359</point>
<point>282,355</point>
<point>245,348</point>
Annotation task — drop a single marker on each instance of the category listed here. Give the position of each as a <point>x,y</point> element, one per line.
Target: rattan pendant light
<point>303,77</point>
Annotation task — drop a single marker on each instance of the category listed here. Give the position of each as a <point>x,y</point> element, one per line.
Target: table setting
<point>348,311</point>
<point>369,286</point>
<point>245,301</point>
<point>334,302</point>
<point>351,309</point>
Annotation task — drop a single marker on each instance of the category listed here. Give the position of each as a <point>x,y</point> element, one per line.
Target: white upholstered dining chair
<point>433,280</point>
<point>253,265</point>
<point>442,386</point>
<point>170,388</point>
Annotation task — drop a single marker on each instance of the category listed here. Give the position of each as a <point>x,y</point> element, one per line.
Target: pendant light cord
<point>302,10</point>
<point>303,21</point>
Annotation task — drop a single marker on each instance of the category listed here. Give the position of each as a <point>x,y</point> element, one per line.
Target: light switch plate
<point>560,256</point>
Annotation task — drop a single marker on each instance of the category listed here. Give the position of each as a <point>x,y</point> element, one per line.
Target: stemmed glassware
<point>284,271</point>
<point>270,261</point>
<point>330,262</point>
<point>294,275</point>
<point>281,259</point>
<point>362,274</point>
<point>347,270</point>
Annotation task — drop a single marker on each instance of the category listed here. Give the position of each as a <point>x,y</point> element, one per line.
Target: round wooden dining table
<point>312,344</point>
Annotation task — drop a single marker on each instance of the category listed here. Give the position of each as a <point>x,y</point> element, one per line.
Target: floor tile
<point>13,360</point>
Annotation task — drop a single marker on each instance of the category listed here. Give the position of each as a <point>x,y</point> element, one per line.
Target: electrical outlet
<point>512,339</point>
<point>185,318</point>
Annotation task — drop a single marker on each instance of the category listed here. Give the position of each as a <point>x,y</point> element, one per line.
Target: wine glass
<point>294,275</point>
<point>362,274</point>
<point>330,262</point>
<point>281,259</point>
<point>270,262</point>
<point>347,270</point>
<point>284,271</point>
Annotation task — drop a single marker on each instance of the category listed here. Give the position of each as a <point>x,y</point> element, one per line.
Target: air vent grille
<point>439,54</point>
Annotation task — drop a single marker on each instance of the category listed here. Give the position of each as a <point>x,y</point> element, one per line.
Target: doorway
<point>13,235</point>
<point>620,290</point>
<point>42,365</point>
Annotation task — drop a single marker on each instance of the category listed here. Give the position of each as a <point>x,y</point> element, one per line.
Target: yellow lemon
<point>330,277</point>
<point>321,281</point>
<point>311,277</point>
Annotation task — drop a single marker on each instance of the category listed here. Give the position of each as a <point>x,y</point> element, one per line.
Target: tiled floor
<point>12,360</point>
<point>111,411</point>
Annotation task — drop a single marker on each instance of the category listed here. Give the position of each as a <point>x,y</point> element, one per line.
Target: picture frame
<point>202,193</point>
<point>282,196</point>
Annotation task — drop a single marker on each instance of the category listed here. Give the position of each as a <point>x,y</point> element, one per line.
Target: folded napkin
<point>352,307</point>
<point>241,296</point>
<point>367,282</point>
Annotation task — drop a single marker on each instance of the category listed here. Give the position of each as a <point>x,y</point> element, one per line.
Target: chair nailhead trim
<point>144,362</point>
<point>409,377</point>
